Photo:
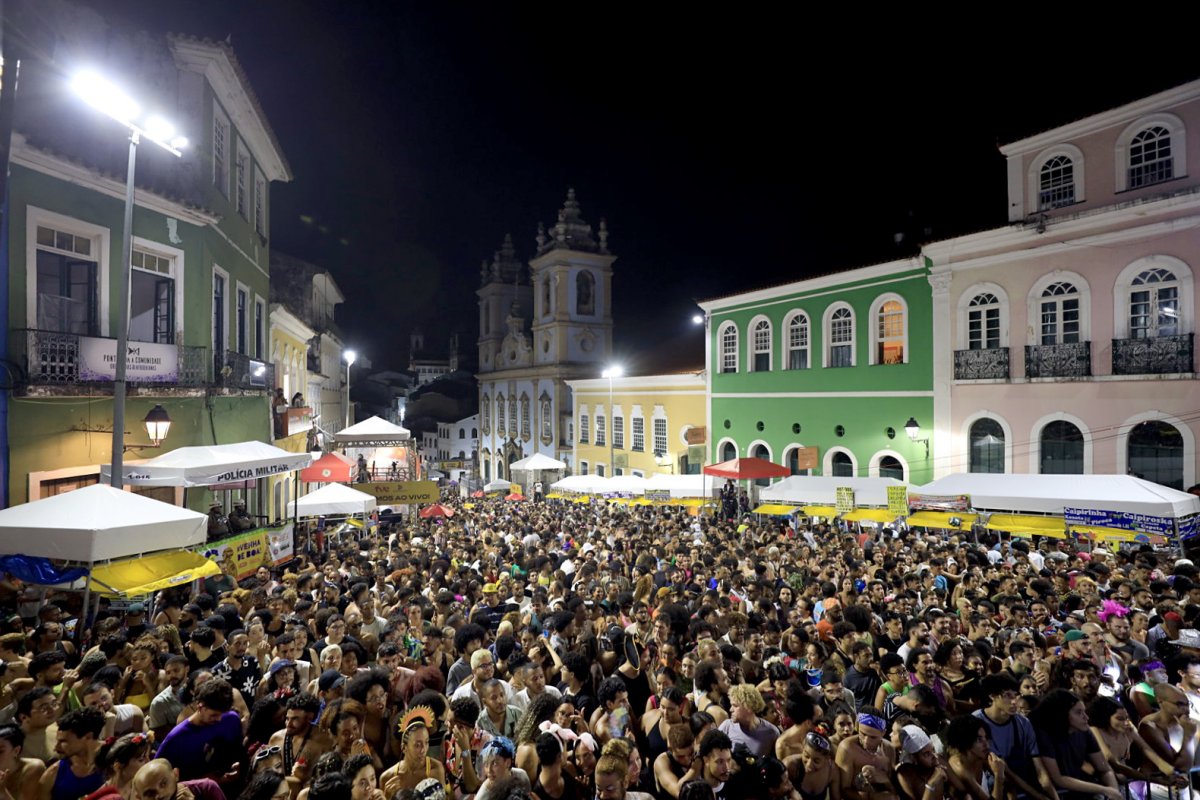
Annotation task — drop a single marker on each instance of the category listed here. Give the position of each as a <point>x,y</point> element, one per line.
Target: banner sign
<point>697,435</point>
<point>395,493</point>
<point>659,495</point>
<point>1145,523</point>
<point>808,457</point>
<point>845,499</point>
<point>241,555</point>
<point>145,362</point>
<point>936,502</point>
<point>897,501</point>
<point>1189,527</point>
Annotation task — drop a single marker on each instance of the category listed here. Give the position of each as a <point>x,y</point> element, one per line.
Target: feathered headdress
<point>417,716</point>
<point>1111,608</point>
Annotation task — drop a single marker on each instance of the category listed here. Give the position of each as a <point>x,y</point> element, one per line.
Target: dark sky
<point>727,150</point>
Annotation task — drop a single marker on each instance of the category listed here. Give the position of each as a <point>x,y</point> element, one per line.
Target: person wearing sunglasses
<point>819,769</point>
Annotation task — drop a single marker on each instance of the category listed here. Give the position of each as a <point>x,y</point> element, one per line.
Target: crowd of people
<point>568,651</point>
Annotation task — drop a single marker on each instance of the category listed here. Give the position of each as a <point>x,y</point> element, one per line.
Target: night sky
<point>727,153</point>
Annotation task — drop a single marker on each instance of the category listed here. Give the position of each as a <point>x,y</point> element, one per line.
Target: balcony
<point>243,372</point>
<point>293,420</point>
<point>1160,355</point>
<point>57,358</point>
<point>52,358</point>
<point>1071,360</point>
<point>976,365</point>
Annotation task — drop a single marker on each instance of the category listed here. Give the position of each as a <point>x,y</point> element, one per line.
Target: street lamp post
<point>350,357</point>
<point>615,371</point>
<point>107,98</point>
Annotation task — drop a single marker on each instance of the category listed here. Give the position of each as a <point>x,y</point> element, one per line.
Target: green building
<point>823,375</point>
<point>198,299</point>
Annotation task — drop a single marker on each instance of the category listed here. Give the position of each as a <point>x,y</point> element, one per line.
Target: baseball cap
<point>280,664</point>
<point>136,608</point>
<point>490,588</point>
<point>1074,636</point>
<point>330,679</point>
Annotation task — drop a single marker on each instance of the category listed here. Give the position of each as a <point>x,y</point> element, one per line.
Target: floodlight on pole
<point>350,357</point>
<point>614,371</point>
<point>106,97</point>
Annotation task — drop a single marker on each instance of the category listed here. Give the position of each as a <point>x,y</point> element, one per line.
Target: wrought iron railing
<point>243,372</point>
<point>1071,360</point>
<point>973,365</point>
<point>1159,355</point>
<point>52,357</point>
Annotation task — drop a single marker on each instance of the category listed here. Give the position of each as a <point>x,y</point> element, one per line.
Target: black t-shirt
<point>1071,752</point>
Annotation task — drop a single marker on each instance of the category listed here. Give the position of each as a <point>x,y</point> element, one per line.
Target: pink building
<point>1064,342</point>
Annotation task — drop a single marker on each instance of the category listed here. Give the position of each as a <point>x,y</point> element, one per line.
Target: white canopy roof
<point>624,483</point>
<point>537,461</point>
<point>205,465</point>
<point>577,483</point>
<point>98,523</point>
<point>333,498</point>
<point>1050,494</point>
<point>684,485</point>
<point>373,432</point>
<point>496,485</point>
<point>822,491</point>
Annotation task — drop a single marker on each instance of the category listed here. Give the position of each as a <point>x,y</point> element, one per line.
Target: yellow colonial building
<point>291,423</point>
<point>639,425</point>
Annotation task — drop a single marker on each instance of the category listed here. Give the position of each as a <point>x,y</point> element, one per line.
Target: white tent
<point>497,485</point>
<point>1050,494</point>
<point>536,462</point>
<point>584,484</point>
<point>206,465</point>
<point>373,432</point>
<point>822,491</point>
<point>684,485</point>
<point>98,523</point>
<point>625,484</point>
<point>333,498</point>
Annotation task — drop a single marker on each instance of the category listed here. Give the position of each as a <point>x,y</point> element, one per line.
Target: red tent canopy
<point>747,469</point>
<point>329,468</point>
<point>514,496</point>
<point>436,510</point>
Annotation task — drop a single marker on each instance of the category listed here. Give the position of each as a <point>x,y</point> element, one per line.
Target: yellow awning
<point>776,510</point>
<point>691,502</point>
<point>554,496</point>
<point>869,515</point>
<point>133,577</point>
<point>941,519</point>
<point>820,511</point>
<point>581,500</point>
<point>1103,534</point>
<point>1028,525</point>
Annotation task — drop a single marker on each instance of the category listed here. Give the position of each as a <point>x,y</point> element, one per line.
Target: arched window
<point>983,322</point>
<point>547,305</point>
<point>1154,304</point>
<point>525,426</point>
<point>761,451</point>
<point>797,341</point>
<point>500,426</point>
<point>1056,183</point>
<point>474,433</point>
<point>890,467</point>
<point>986,443</point>
<point>462,433</point>
<point>585,293</point>
<point>547,420</point>
<point>1156,453</point>
<point>889,343</point>
<point>840,335</point>
<point>1059,314</point>
<point>583,425</point>
<point>729,347</point>
<point>761,341</point>
<point>843,466</point>
<point>792,462</point>
<point>485,414</point>
<point>512,417</point>
<point>1150,159</point>
<point>728,451</point>
<point>487,469</point>
<point>1061,449</point>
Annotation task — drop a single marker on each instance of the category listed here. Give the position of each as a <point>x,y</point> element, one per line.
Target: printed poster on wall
<point>395,493</point>
<point>897,497</point>
<point>241,555</point>
<point>845,499</point>
<point>145,362</point>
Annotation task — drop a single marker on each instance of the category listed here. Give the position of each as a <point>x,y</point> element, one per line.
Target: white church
<point>541,324</point>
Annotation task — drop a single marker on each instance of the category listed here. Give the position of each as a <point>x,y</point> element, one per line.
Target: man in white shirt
<point>535,684</point>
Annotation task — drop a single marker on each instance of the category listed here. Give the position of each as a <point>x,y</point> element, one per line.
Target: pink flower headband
<point>1111,608</point>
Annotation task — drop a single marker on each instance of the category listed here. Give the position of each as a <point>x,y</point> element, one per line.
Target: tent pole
<point>81,625</point>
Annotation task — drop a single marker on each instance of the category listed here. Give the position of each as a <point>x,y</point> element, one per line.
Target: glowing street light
<point>614,371</point>
<point>106,97</point>
<point>350,357</point>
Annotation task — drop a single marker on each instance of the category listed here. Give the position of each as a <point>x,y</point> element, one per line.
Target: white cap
<point>1184,562</point>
